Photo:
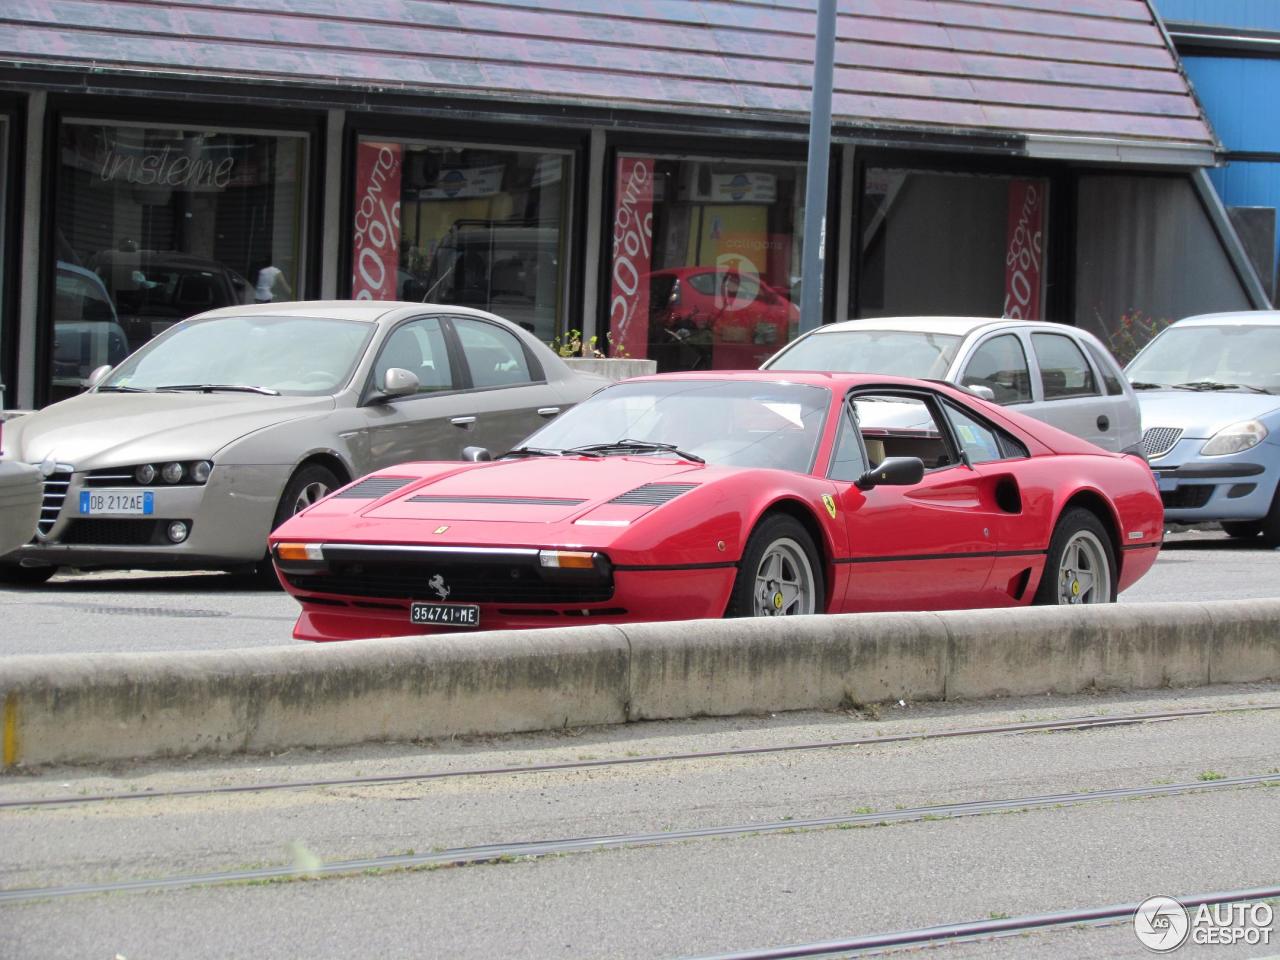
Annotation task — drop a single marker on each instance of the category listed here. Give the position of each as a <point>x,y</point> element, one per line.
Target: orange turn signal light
<point>299,551</point>
<point>567,559</point>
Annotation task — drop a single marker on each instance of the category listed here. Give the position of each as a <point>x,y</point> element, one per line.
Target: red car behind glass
<point>710,318</point>
<point>746,494</point>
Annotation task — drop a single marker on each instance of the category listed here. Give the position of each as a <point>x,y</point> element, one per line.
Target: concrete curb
<point>71,708</point>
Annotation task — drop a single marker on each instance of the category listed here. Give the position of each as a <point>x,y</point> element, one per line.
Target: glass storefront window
<point>471,225</point>
<point>706,261</point>
<point>1147,254</point>
<point>155,224</point>
<point>934,243</point>
<point>8,324</point>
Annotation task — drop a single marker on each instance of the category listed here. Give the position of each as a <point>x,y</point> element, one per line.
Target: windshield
<point>730,422</point>
<point>1248,356</point>
<point>289,355</point>
<point>895,353</point>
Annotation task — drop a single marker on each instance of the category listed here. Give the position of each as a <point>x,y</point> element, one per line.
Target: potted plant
<point>583,354</point>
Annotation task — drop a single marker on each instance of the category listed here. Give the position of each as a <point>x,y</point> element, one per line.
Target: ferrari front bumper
<point>683,593</point>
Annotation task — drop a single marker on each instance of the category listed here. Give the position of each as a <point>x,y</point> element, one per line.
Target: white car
<point>1055,373</point>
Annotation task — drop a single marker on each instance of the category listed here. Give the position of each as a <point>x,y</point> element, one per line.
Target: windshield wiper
<point>211,387</point>
<point>1144,385</point>
<point>636,446</point>
<point>119,388</point>
<point>541,452</point>
<point>1215,385</point>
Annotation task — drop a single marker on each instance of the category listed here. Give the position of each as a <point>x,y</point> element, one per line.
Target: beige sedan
<point>20,491</point>
<point>190,451</point>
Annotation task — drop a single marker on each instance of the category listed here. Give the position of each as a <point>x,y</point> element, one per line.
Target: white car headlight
<point>1235,438</point>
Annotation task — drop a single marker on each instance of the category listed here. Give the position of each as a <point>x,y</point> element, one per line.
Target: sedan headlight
<point>1235,438</point>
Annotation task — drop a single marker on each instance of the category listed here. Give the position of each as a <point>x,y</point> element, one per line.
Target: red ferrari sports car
<point>759,493</point>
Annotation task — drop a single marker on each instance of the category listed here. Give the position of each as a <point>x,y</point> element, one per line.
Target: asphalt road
<point>759,887</point>
<point>136,611</point>
<point>694,898</point>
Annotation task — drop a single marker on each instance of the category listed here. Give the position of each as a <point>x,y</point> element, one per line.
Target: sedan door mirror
<point>97,376</point>
<point>476,454</point>
<point>978,390</point>
<point>894,472</point>
<point>398,382</point>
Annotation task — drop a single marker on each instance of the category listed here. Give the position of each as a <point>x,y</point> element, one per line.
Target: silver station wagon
<point>1055,373</point>
<point>195,447</point>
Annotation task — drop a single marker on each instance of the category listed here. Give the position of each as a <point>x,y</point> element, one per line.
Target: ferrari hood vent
<point>653,494</point>
<point>509,501</point>
<point>373,488</point>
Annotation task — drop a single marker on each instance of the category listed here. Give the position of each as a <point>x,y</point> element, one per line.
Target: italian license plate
<point>117,502</point>
<point>445,614</point>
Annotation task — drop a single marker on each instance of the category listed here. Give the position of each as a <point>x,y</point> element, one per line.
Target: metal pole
<point>815,199</point>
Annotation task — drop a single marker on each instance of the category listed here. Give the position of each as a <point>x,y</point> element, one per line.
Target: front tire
<point>1242,529</point>
<point>780,574</point>
<point>1270,524</point>
<point>1081,564</point>
<point>18,576</point>
<point>308,485</point>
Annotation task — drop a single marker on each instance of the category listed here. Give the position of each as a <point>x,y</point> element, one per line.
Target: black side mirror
<point>894,472</point>
<point>476,454</point>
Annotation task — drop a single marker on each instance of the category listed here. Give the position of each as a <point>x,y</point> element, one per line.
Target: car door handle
<point>1103,422</point>
<point>462,421</point>
<point>548,411</point>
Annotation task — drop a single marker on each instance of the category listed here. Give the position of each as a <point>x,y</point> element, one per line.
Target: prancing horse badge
<point>829,502</point>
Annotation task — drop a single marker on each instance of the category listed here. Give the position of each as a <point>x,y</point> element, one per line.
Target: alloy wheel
<point>784,581</point>
<point>309,494</point>
<point>1084,575</point>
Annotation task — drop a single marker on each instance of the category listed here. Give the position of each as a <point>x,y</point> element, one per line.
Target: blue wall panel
<point>1252,14</point>
<point>1239,97</point>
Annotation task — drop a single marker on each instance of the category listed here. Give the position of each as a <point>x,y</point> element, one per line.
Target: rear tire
<point>17,576</point>
<point>309,484</point>
<point>1081,564</point>
<point>780,574</point>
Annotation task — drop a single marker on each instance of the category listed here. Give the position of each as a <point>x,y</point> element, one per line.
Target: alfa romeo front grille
<point>55,493</point>
<point>111,477</point>
<point>112,532</point>
<point>1158,441</point>
<point>653,494</point>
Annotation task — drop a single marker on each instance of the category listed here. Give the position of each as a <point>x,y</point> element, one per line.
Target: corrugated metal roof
<point>1075,75</point>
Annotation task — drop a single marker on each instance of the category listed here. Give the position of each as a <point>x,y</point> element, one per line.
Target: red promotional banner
<point>632,256</point>
<point>375,252</point>
<point>1024,249</point>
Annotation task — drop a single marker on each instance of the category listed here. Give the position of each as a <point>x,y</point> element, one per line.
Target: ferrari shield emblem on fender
<point>829,502</point>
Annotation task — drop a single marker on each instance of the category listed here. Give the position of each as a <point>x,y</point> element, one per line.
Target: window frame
<point>372,390</point>
<point>537,374</point>
<point>1026,360</point>
<point>1105,372</point>
<point>932,402</point>
<point>1096,393</point>
<point>849,416</point>
<point>1004,439</point>
<point>147,110</point>
<point>571,246</point>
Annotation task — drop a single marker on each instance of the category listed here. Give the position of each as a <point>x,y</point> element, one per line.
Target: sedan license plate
<point>117,502</point>
<point>445,614</point>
